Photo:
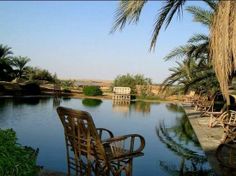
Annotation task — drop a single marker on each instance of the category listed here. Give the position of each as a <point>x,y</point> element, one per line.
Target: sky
<point>73,40</point>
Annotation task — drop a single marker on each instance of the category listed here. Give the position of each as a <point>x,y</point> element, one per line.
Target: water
<point>171,146</point>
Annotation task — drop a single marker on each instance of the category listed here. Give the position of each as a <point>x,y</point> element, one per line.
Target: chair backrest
<point>81,134</point>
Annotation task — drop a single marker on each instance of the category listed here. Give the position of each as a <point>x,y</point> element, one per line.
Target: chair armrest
<point>104,133</point>
<point>125,145</point>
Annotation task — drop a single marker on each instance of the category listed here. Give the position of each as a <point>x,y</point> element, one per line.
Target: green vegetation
<point>92,91</point>
<point>129,12</point>
<point>195,71</point>
<point>19,63</point>
<point>35,73</point>
<point>15,67</point>
<point>131,81</point>
<point>14,158</point>
<point>67,85</point>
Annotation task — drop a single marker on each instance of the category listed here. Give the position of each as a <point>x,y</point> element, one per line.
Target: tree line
<point>16,67</point>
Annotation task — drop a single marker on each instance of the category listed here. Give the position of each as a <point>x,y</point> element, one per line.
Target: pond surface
<point>171,146</point>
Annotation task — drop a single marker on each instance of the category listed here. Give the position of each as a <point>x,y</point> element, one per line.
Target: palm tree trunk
<point>223,44</point>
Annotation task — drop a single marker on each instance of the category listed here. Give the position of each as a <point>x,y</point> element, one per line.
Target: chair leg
<point>130,168</point>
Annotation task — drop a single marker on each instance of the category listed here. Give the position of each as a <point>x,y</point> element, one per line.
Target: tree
<point>129,12</point>
<point>20,66</point>
<point>223,44</point>
<point>6,70</point>
<point>131,81</point>
<point>35,73</point>
<point>195,72</point>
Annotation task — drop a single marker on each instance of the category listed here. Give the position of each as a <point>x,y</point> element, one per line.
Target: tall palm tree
<point>20,65</point>
<point>129,12</point>
<point>195,71</point>
<point>5,63</point>
<point>223,44</point>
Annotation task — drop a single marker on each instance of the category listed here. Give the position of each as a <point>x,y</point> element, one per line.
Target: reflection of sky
<point>39,126</point>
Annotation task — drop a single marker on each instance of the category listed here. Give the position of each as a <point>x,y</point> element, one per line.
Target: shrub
<point>31,88</point>
<point>16,159</point>
<point>92,91</point>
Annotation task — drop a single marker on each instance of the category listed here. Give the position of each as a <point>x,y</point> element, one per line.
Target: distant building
<point>121,93</point>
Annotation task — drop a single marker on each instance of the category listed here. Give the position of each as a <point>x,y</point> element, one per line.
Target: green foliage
<point>14,158</point>
<point>131,81</point>
<point>195,71</point>
<point>67,84</point>
<point>6,71</point>
<point>92,91</point>
<point>34,73</point>
<point>91,102</point>
<point>19,63</point>
<point>12,67</point>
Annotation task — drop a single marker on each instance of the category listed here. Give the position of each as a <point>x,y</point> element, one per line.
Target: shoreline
<point>209,139</point>
<point>81,96</point>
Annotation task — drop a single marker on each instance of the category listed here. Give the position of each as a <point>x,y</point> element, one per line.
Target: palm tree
<point>223,44</point>
<point>223,32</point>
<point>190,75</point>
<point>20,65</point>
<point>5,63</point>
<point>129,12</point>
<point>195,71</point>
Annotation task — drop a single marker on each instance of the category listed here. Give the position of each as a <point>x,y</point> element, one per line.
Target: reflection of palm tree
<point>177,148</point>
<point>197,161</point>
<point>174,108</point>
<point>183,129</point>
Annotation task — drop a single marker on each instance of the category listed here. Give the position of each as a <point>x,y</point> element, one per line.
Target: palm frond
<point>212,3</point>
<point>201,15</point>
<point>127,12</point>
<point>178,53</point>
<point>196,38</point>
<point>165,16</point>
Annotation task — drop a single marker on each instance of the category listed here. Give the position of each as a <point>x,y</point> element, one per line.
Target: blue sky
<point>72,38</point>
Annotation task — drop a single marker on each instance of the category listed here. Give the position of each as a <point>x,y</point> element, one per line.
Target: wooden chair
<point>215,110</point>
<point>202,104</point>
<point>228,121</point>
<point>189,97</point>
<point>88,153</point>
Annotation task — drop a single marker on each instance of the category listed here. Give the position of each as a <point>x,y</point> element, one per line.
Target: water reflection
<point>56,102</point>
<point>177,139</point>
<point>174,108</point>
<point>120,106</point>
<point>91,102</point>
<point>141,106</point>
<point>133,106</point>
<point>66,98</point>
<point>26,100</point>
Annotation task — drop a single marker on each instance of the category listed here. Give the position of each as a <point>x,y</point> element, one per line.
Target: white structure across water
<point>121,93</point>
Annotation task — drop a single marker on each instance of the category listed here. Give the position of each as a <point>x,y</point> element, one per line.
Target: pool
<point>171,145</point>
